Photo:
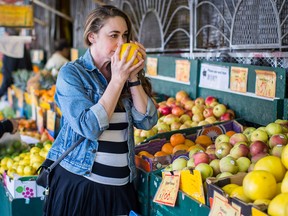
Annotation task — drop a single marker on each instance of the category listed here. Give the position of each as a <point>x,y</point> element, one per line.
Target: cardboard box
<point>152,164</point>
<point>215,185</point>
<point>23,187</point>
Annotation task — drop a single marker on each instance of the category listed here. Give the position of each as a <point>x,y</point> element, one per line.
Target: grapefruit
<point>259,184</point>
<point>279,205</point>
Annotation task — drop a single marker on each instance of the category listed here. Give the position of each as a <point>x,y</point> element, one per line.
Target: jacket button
<point>94,151</point>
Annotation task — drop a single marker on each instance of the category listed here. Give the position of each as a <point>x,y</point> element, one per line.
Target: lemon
<point>2,170</point>
<point>284,156</point>
<point>262,202</point>
<point>34,150</point>
<point>24,162</point>
<point>36,165</point>
<point>36,158</point>
<point>29,170</point>
<point>229,188</point>
<point>20,170</point>
<point>47,147</point>
<point>238,192</point>
<point>10,172</point>
<point>9,163</point>
<point>17,158</point>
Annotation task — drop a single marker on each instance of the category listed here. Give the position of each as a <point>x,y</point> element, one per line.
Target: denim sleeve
<point>84,116</point>
<point>149,119</point>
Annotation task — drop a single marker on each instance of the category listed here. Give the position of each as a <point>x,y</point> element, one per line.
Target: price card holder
<point>152,66</point>
<point>222,207</point>
<point>238,79</point>
<point>183,70</point>
<point>168,189</point>
<point>191,183</point>
<point>51,119</point>
<point>265,83</point>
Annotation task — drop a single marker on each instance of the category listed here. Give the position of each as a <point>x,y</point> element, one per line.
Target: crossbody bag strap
<point>50,168</point>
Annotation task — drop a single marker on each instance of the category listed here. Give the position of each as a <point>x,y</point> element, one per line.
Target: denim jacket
<point>79,86</point>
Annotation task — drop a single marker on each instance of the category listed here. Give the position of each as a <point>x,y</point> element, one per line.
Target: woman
<point>8,126</point>
<point>101,99</point>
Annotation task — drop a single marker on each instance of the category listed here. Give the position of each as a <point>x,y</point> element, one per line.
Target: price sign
<point>183,70</point>
<point>40,118</point>
<point>168,189</point>
<point>214,77</point>
<point>265,83</point>
<point>221,207</point>
<point>238,79</point>
<point>152,66</point>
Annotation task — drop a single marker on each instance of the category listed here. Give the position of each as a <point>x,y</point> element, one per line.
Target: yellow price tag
<point>168,189</point>
<point>257,212</point>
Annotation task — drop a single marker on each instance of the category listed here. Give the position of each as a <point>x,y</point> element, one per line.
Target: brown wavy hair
<point>96,20</point>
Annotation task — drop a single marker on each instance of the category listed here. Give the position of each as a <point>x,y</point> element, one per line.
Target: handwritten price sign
<point>168,189</point>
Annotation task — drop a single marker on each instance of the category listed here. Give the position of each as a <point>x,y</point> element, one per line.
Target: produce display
<point>182,112</point>
<point>259,153</point>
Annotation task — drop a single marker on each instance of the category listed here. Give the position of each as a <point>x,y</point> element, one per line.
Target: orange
<point>189,142</point>
<point>167,148</point>
<point>180,147</point>
<point>145,153</point>
<point>177,138</point>
<point>160,153</point>
<point>230,133</point>
<point>204,140</point>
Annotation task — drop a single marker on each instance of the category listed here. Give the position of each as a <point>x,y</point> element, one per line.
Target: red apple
<point>170,118</point>
<point>226,116</point>
<point>199,101</point>
<point>207,112</point>
<point>185,100</point>
<point>238,137</point>
<point>277,139</point>
<point>211,153</point>
<point>219,110</point>
<point>239,150</point>
<point>189,112</point>
<point>178,111</point>
<point>201,157</point>
<point>180,95</point>
<point>258,156</point>
<point>164,109</point>
<point>170,101</point>
<point>231,112</point>
<point>209,100</point>
<point>257,147</point>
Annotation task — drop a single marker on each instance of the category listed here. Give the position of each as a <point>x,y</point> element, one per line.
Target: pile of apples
<point>181,112</point>
<point>232,153</point>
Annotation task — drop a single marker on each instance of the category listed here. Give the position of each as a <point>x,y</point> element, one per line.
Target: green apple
<point>243,163</point>
<point>228,164</point>
<point>205,170</point>
<point>259,135</point>
<point>221,138</point>
<point>273,128</point>
<point>179,163</point>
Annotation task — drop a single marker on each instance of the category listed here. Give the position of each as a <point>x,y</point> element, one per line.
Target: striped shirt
<point>111,162</point>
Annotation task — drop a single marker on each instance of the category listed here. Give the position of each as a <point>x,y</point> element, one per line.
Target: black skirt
<point>74,195</point>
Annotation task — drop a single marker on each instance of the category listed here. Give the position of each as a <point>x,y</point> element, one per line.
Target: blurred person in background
<point>9,126</point>
<point>12,64</point>
<point>60,56</point>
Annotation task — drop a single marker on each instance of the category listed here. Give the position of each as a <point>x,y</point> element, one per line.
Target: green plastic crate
<point>185,205</point>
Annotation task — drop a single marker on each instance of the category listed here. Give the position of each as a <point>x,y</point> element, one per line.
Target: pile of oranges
<point>178,142</point>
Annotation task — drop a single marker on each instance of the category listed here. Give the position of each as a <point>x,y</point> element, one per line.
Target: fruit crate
<point>184,205</point>
<point>219,128</point>
<point>247,105</point>
<point>215,185</point>
<point>19,207</point>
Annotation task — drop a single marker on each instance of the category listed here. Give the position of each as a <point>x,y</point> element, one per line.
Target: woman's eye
<point>114,36</point>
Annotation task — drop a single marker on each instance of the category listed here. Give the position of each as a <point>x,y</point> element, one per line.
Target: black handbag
<point>43,178</point>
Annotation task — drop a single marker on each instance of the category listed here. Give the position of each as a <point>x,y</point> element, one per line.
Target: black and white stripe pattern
<point>111,162</point>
